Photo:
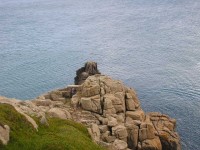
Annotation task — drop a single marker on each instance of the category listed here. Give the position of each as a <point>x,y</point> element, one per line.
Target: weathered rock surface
<point>94,132</point>
<point>165,130</point>
<point>59,113</point>
<point>110,110</point>
<point>122,122</point>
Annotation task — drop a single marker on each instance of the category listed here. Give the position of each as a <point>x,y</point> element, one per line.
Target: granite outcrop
<point>120,120</point>
<point>110,110</point>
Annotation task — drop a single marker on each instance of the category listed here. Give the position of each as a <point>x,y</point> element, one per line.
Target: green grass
<point>59,135</point>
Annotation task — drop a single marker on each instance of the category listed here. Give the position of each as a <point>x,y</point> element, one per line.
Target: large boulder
<point>146,131</point>
<point>102,95</point>
<point>165,127</point>
<point>42,102</point>
<point>150,144</point>
<point>91,87</point>
<point>136,115</point>
<point>112,122</point>
<point>119,145</point>
<point>92,104</point>
<point>59,113</point>
<point>94,132</point>
<point>133,132</point>
<point>120,132</point>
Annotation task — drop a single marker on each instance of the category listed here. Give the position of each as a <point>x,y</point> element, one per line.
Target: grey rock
<point>4,134</point>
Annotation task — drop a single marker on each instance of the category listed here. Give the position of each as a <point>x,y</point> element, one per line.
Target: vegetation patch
<point>59,135</point>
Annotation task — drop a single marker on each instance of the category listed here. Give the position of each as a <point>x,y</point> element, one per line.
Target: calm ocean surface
<point>151,45</point>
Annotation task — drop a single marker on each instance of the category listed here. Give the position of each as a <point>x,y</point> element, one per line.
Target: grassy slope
<point>59,135</point>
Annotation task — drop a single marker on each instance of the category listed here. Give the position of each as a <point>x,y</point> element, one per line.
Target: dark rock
<point>83,73</point>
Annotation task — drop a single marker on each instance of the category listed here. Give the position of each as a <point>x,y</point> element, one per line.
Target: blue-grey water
<point>151,45</point>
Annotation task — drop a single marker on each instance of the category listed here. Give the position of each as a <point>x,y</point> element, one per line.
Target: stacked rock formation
<point>110,110</point>
<point>121,123</point>
<point>83,73</point>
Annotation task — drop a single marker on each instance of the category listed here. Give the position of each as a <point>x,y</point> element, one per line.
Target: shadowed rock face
<point>83,73</point>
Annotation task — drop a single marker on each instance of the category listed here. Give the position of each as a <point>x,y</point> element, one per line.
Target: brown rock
<point>91,104</point>
<point>111,86</point>
<point>112,121</point>
<point>59,113</point>
<point>56,95</point>
<point>113,103</point>
<point>130,105</point>
<point>146,131</point>
<point>42,102</point>
<point>91,91</point>
<point>135,115</point>
<point>105,121</point>
<point>120,118</point>
<point>109,112</point>
<point>108,103</point>
<point>107,137</point>
<point>110,139</point>
<point>120,132</point>
<point>95,132</point>
<point>165,131</point>
<point>75,100</point>
<point>119,145</point>
<point>151,144</point>
<point>103,128</point>
<point>119,108</point>
<point>120,95</point>
<point>131,94</point>
<point>133,132</point>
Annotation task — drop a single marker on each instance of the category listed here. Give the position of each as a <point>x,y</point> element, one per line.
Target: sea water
<point>151,45</point>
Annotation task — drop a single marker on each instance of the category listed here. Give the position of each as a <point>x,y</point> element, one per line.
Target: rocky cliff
<point>110,110</point>
<point>120,122</point>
